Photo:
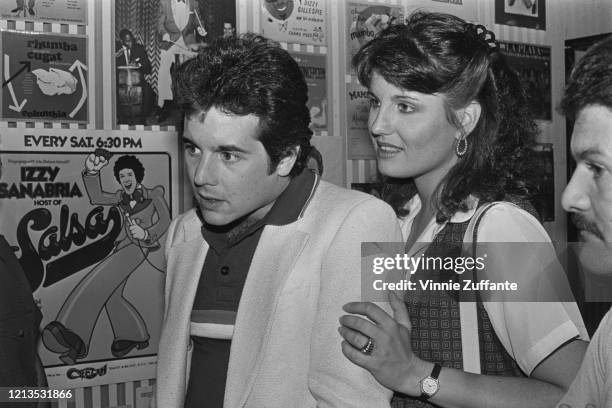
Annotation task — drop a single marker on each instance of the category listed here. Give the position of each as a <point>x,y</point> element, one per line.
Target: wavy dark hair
<point>250,74</point>
<point>435,53</point>
<point>591,80</point>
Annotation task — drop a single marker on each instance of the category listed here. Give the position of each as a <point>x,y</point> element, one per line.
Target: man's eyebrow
<point>230,148</point>
<point>589,153</point>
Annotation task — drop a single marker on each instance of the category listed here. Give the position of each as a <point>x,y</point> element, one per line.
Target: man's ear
<point>468,117</point>
<point>285,165</point>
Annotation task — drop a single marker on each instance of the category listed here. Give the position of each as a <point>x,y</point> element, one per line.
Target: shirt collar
<point>292,202</point>
<point>287,208</point>
<point>413,206</point>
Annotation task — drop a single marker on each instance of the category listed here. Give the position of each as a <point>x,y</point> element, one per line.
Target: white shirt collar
<point>433,228</point>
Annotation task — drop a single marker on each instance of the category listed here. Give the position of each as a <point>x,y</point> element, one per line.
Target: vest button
<point>224,270</point>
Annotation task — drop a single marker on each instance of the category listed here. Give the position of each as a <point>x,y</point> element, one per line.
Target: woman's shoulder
<point>506,221</point>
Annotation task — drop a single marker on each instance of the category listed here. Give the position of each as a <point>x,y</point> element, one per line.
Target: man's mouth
<point>588,231</point>
<point>209,202</point>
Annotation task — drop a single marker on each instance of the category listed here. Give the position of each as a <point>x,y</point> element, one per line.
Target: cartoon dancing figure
<point>146,219</point>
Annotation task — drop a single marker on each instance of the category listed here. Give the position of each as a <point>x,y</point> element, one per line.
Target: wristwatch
<point>430,384</point>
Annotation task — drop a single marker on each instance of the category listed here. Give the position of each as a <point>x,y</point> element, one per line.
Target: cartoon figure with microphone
<point>146,218</point>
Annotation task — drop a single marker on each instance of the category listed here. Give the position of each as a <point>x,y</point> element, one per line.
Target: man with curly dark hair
<point>588,197</point>
<point>146,219</point>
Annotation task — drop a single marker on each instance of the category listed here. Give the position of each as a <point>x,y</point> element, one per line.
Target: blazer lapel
<point>278,249</point>
<point>185,265</point>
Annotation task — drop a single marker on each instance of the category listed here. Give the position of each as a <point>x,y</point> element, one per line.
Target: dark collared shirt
<point>221,282</point>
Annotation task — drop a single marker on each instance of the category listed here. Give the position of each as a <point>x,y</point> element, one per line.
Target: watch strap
<point>436,371</point>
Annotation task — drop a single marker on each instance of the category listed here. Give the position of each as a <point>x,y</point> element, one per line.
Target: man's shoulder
<point>334,202</point>
<point>189,217</point>
<point>184,227</point>
<point>331,195</point>
<point>604,332</point>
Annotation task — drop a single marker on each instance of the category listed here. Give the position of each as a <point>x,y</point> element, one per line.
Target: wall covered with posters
<point>85,77</point>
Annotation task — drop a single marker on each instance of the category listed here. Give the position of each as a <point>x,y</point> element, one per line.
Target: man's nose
<point>205,171</point>
<point>575,197</point>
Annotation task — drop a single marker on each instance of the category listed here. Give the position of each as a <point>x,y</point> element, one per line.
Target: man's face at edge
<point>588,195</point>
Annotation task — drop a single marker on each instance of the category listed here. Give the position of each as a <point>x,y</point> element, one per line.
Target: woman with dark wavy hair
<point>452,132</point>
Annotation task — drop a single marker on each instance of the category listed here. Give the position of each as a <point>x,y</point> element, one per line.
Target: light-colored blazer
<point>285,350</point>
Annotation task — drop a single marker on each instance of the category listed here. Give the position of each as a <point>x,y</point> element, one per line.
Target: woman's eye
<point>404,108</point>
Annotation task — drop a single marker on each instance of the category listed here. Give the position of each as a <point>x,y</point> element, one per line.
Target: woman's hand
<point>392,361</point>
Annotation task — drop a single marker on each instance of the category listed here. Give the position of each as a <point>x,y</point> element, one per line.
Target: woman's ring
<point>368,348</point>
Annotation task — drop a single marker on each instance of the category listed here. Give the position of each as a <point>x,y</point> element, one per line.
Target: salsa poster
<point>314,70</point>
<point>358,136</point>
<point>532,62</point>
<point>294,21</point>
<point>89,216</point>
<point>53,11</point>
<point>364,21</point>
<point>44,77</point>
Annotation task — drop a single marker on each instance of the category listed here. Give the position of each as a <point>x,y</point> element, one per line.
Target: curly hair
<point>435,53</point>
<point>124,32</point>
<point>591,80</point>
<point>129,162</point>
<point>245,75</point>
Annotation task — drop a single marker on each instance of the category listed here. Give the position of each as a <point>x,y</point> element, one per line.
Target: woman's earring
<point>461,146</point>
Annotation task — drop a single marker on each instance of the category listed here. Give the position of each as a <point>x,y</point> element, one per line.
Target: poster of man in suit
<point>169,32</point>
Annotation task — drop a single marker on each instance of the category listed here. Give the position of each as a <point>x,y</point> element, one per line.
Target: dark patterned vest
<point>436,327</point>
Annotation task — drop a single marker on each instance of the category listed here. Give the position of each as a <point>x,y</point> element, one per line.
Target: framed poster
<point>363,22</point>
<point>148,44</point>
<point>532,62</point>
<point>314,69</point>
<point>358,136</point>
<point>44,77</point>
<point>52,11</point>
<point>521,13</point>
<point>89,214</point>
<point>291,21</point>
<point>465,9</point>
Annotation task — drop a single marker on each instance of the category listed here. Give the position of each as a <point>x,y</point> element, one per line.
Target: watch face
<point>429,386</point>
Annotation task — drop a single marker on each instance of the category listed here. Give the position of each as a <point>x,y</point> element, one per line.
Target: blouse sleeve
<point>541,314</point>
